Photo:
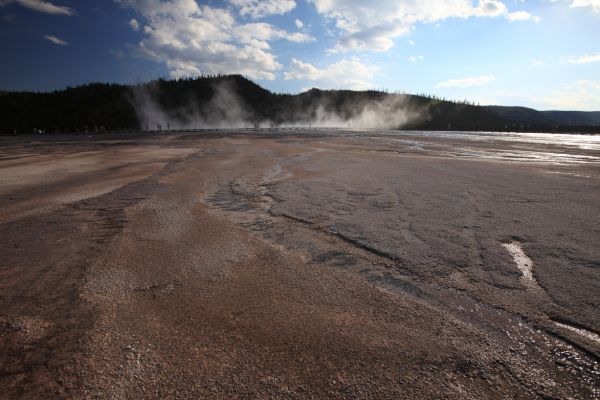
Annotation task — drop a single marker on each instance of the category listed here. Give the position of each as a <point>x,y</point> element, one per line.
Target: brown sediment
<point>292,266</point>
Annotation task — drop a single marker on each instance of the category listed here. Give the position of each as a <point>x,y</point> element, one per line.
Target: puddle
<point>576,141</point>
<point>562,149</point>
<point>523,262</point>
<point>585,333</point>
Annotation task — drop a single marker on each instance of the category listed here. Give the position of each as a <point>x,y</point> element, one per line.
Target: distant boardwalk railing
<point>278,129</point>
<point>299,129</point>
<point>286,128</point>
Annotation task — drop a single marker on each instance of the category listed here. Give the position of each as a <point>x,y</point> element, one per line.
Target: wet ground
<point>300,265</point>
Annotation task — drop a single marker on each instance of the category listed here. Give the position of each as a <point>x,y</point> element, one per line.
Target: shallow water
<point>504,146</point>
<point>584,142</point>
<point>523,262</point>
<point>583,332</point>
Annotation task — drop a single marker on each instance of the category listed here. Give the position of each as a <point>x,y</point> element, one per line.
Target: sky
<point>543,54</point>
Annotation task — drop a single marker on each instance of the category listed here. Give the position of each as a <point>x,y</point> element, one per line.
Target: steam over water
<point>366,118</point>
<point>226,109</point>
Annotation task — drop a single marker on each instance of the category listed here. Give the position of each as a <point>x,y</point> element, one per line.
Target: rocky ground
<point>298,265</point>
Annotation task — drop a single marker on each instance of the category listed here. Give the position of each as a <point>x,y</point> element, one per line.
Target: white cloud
<point>134,24</point>
<point>347,73</point>
<point>258,34</point>
<point>594,4</point>
<point>581,95</point>
<point>465,82</point>
<point>373,24</point>
<point>534,62</point>
<point>299,24</point>
<point>415,58</point>
<point>41,6</point>
<point>193,39</point>
<point>117,53</point>
<point>263,8</point>
<point>585,59</point>
<point>522,16</point>
<point>56,40</point>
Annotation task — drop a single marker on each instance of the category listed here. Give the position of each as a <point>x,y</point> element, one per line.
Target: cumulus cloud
<point>263,8</point>
<point>522,16</point>
<point>299,24</point>
<point>414,59</point>
<point>465,82</point>
<point>259,34</point>
<point>41,6</point>
<point>347,73</point>
<point>585,59</point>
<point>56,40</point>
<point>373,24</point>
<point>192,39</point>
<point>594,4</point>
<point>134,24</point>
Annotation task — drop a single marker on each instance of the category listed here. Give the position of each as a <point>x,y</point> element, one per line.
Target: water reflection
<point>509,146</point>
<point>584,142</point>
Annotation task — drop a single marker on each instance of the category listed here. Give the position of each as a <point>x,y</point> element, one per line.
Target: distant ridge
<point>572,118</point>
<point>213,99</point>
<point>554,119</point>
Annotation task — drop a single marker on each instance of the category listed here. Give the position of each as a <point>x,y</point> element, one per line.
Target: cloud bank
<point>192,39</point>
<point>373,24</point>
<point>263,8</point>
<point>585,59</point>
<point>351,74</point>
<point>41,6</point>
<point>594,4</point>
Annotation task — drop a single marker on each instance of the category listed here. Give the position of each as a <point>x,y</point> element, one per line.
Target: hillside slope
<point>528,117</point>
<point>231,101</point>
<point>574,118</point>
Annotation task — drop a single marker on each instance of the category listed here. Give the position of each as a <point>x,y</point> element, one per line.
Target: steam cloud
<point>393,111</point>
<point>226,109</point>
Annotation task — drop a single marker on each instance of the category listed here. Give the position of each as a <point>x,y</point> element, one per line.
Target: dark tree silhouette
<point>110,107</point>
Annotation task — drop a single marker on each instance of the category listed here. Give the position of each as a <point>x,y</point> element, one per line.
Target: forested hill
<point>233,100</point>
<point>530,117</point>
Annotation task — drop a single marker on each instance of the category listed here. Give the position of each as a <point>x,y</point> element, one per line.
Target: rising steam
<point>391,111</point>
<point>226,108</point>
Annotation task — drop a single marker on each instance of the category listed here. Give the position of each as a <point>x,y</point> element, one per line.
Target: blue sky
<point>543,54</point>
